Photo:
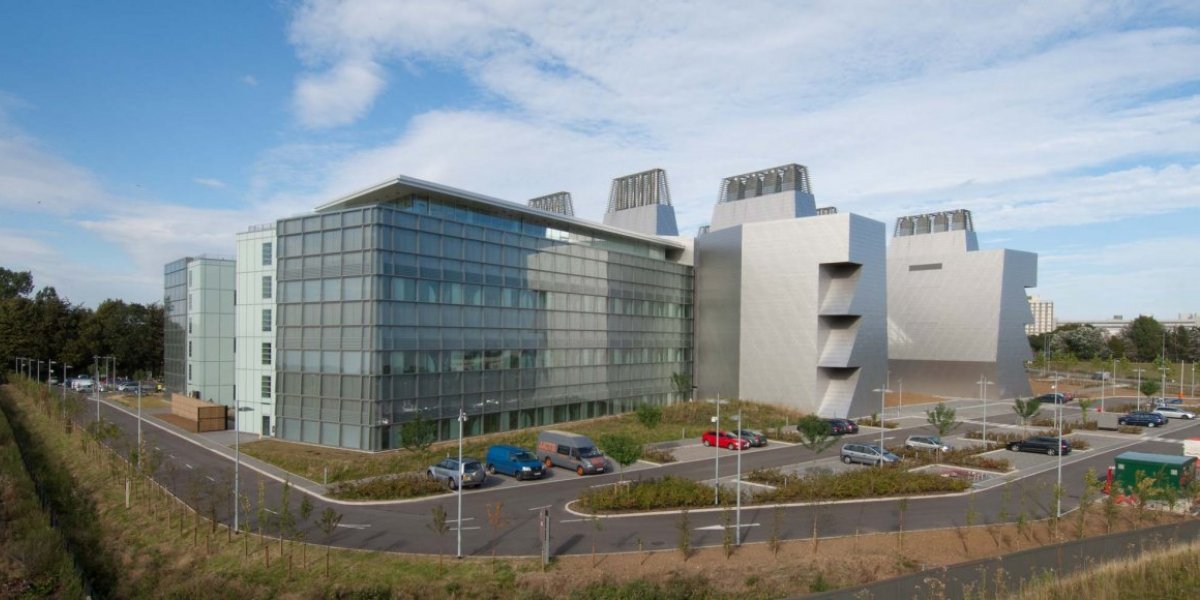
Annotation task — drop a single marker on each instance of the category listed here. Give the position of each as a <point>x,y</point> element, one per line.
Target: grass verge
<point>160,548</point>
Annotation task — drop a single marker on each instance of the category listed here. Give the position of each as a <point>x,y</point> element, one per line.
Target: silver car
<point>926,442</point>
<point>870,454</point>
<point>446,471</point>
<point>1171,412</point>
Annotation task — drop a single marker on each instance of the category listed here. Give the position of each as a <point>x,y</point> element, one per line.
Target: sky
<point>132,134</point>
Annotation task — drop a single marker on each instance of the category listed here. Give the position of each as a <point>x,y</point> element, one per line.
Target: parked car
<point>82,383</point>
<point>725,439</point>
<point>1055,398</point>
<point>446,471</point>
<point>125,386</point>
<point>131,388</point>
<point>1143,418</point>
<point>570,451</point>
<point>926,442</point>
<point>1171,412</point>
<point>756,439</point>
<point>1041,443</point>
<point>868,454</point>
<point>513,461</point>
<point>841,426</point>
<point>1160,401</point>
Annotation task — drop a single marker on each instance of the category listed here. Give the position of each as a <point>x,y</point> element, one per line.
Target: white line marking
<point>721,527</point>
<point>541,507</point>
<point>209,477</point>
<point>188,466</point>
<point>573,520</point>
<point>359,526</point>
<point>270,511</point>
<point>464,528</point>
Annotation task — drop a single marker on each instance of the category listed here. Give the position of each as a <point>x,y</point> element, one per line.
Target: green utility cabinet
<point>1168,471</point>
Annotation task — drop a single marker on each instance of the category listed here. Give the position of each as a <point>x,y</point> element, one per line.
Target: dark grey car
<point>446,471</point>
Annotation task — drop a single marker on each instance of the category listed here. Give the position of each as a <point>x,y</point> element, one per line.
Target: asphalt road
<point>403,526</point>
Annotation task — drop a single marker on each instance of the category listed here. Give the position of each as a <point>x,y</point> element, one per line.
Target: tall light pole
<point>1058,492</point>
<point>1139,388</point>
<point>462,422</point>
<point>738,510</point>
<point>883,392</point>
<point>63,406</point>
<point>96,387</point>
<point>37,378</point>
<point>983,383</point>
<point>716,421</point>
<point>50,373</point>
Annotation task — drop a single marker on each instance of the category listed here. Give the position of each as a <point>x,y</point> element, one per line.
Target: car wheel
<point>452,484</point>
<point>491,469</point>
<point>1051,451</point>
<point>579,471</point>
<point>847,460</point>
<point>706,444</point>
<point>429,475</point>
<point>1151,424</point>
<point>1014,447</point>
<point>549,463</point>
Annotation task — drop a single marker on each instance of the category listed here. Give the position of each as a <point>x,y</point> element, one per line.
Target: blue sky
<point>135,133</point>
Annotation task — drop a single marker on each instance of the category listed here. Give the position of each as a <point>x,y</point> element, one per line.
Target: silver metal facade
<point>957,314</point>
<point>793,312</point>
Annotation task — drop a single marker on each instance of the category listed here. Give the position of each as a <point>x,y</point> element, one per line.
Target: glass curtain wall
<point>419,307</point>
<point>175,326</point>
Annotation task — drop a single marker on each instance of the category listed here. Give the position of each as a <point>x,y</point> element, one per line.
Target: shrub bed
<point>873,421</point>
<point>651,494</point>
<point>1000,438</point>
<point>1078,443</point>
<point>858,483</point>
<point>389,487</point>
<point>962,457</point>
<point>1066,428</point>
<point>658,455</point>
<point>1129,429</point>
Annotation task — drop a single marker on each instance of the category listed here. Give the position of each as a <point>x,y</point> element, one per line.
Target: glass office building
<point>175,321</point>
<point>415,299</point>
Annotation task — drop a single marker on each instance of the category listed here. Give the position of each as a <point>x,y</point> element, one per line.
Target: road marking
<point>722,527</point>
<point>270,511</point>
<point>359,526</point>
<point>573,520</point>
<point>157,448</point>
<point>464,519</point>
<point>209,477</point>
<point>464,528</point>
<point>188,466</point>
<point>541,507</point>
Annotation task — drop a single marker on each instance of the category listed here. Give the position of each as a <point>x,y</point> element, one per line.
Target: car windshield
<point>523,456</point>
<point>589,452</point>
<point>934,440</point>
<point>472,466</point>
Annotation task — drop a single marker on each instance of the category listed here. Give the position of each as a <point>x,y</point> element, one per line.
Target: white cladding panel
<point>210,343</point>
<point>250,369</point>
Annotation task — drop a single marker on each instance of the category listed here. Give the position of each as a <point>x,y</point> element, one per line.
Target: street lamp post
<point>883,392</point>
<point>63,406</point>
<point>96,387</point>
<point>983,383</point>
<point>1138,391</point>
<point>50,373</point>
<point>738,510</point>
<point>716,421</point>
<point>1058,493</point>
<point>462,422</point>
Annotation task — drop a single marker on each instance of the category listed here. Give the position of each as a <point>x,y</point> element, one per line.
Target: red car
<point>726,440</point>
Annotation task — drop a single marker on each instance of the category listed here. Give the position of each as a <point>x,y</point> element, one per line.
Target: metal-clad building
<point>957,314</point>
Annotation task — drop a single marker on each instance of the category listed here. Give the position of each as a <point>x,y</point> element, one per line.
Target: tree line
<point>45,326</point>
<point>1144,340</point>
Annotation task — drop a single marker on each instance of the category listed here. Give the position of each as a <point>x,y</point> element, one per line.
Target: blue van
<point>514,461</point>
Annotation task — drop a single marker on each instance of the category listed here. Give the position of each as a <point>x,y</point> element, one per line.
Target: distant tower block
<point>558,202</point>
<point>642,203</point>
<point>768,195</point>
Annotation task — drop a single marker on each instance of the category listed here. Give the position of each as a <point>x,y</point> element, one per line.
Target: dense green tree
<point>1144,337</point>
<point>14,283</point>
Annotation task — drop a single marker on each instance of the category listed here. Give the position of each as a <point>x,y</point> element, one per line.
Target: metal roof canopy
<point>401,186</point>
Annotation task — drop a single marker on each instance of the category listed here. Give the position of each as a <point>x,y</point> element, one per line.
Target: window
<point>266,287</point>
<point>266,254</point>
<point>189,325</point>
<point>191,301</point>
<point>189,373</point>
<point>266,319</point>
<point>266,386</point>
<point>189,348</point>
<point>266,353</point>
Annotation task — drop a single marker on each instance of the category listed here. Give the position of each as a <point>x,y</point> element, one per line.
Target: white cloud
<point>338,96</point>
<point>249,80</point>
<point>209,182</point>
